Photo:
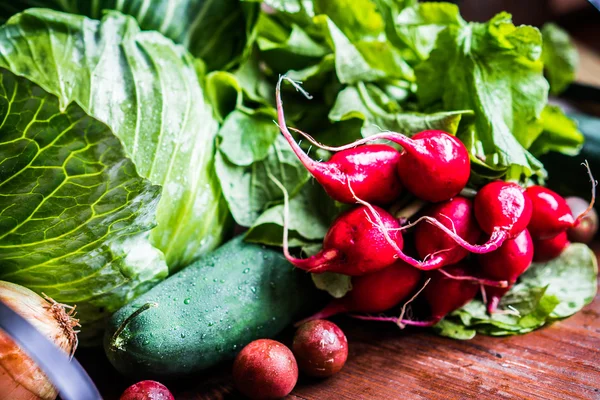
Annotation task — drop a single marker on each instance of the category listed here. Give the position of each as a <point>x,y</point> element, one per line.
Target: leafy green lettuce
<point>546,292</point>
<point>494,69</point>
<point>560,57</point>
<point>74,212</point>
<point>560,134</point>
<point>146,89</point>
<point>215,31</point>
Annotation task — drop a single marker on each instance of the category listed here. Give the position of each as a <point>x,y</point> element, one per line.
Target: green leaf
<point>146,90</point>
<point>350,66</point>
<point>249,191</point>
<point>224,91</point>
<point>337,285</point>
<point>418,26</point>
<point>357,19</point>
<point>296,43</point>
<point>454,330</point>
<point>74,212</point>
<point>560,134</point>
<point>570,277</point>
<point>560,57</point>
<point>384,57</point>
<point>371,105</point>
<point>307,222</point>
<point>546,292</point>
<point>495,70</point>
<point>247,138</point>
<point>215,31</point>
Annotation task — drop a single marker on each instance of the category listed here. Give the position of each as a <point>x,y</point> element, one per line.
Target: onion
<point>20,377</point>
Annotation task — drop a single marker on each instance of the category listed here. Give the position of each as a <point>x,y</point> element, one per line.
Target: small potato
<point>265,369</point>
<point>321,348</point>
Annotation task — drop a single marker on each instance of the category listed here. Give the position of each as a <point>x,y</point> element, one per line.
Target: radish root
<point>319,261</point>
<point>593,200</point>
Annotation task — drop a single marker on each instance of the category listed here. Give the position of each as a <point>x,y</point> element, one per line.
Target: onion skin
<point>20,377</point>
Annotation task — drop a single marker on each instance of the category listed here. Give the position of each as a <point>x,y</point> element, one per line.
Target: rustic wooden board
<point>561,361</point>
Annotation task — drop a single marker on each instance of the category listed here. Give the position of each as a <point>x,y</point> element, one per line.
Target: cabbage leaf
<point>215,31</point>
<point>146,89</point>
<point>74,212</point>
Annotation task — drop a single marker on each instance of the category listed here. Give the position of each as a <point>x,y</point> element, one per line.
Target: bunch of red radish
<point>506,225</point>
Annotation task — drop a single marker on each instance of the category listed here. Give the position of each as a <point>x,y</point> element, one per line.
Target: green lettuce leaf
<point>246,138</point>
<point>357,19</point>
<point>74,212</point>
<point>215,31</point>
<point>146,89</point>
<point>249,191</point>
<point>560,134</point>
<point>350,65</point>
<point>546,292</point>
<point>494,69</point>
<point>308,220</point>
<point>560,57</point>
<point>378,112</point>
<point>417,26</point>
<point>337,285</point>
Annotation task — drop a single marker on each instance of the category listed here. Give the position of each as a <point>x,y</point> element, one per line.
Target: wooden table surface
<point>560,361</point>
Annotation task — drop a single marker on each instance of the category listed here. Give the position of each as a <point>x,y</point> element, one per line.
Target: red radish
<point>371,170</point>
<point>443,294</point>
<point>321,348</point>
<point>551,213</point>
<point>548,249</point>
<point>508,262</point>
<point>502,210</point>
<point>584,232</point>
<point>265,369</point>
<point>438,248</point>
<point>375,292</point>
<point>355,244</point>
<point>433,165</point>
<point>147,390</point>
<point>362,240</point>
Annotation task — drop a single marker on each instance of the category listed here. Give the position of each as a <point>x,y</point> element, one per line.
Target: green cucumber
<point>207,312</point>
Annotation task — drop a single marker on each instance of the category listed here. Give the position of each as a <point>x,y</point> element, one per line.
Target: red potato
<point>548,249</point>
<point>508,262</point>
<point>147,390</point>
<point>585,231</point>
<point>370,170</point>
<point>434,165</point>
<point>375,292</point>
<point>321,348</point>
<point>265,369</point>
